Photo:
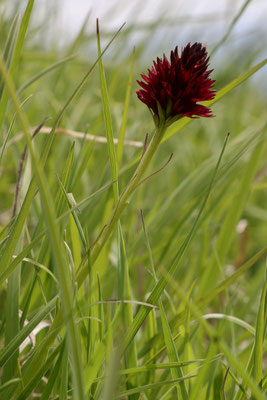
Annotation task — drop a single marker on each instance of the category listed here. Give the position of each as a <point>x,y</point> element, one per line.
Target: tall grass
<point>152,292</point>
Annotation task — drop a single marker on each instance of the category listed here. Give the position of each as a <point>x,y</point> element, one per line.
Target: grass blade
<point>259,337</point>
<point>16,56</point>
<point>9,350</point>
<point>230,220</point>
<point>56,244</point>
<point>162,283</point>
<point>169,342</point>
<point>125,113</point>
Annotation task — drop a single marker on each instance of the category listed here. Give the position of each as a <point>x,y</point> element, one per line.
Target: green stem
<point>124,198</point>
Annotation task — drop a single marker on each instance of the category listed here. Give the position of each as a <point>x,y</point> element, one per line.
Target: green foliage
<point>167,303</point>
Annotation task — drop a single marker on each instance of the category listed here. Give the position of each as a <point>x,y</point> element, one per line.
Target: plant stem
<point>124,198</point>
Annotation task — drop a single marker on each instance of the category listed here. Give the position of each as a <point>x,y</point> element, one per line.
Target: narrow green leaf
<point>9,383</point>
<point>124,292</point>
<point>4,275</point>
<point>143,388</point>
<point>10,131</point>
<point>107,120</point>
<point>12,323</point>
<point>9,47</point>
<point>124,288</point>
<point>18,225</point>
<point>74,215</point>
<point>233,278</point>
<point>56,244</point>
<point>12,346</point>
<point>53,376</point>
<point>259,337</point>
<point>63,391</point>
<point>231,26</point>
<point>162,283</point>
<point>230,221</point>
<point>44,72</point>
<point>125,114</point>
<point>16,56</point>
<point>212,294</point>
<point>217,340</point>
<point>169,342</point>
<point>37,375</point>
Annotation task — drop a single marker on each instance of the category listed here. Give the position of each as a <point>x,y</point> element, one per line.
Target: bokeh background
<point>173,22</point>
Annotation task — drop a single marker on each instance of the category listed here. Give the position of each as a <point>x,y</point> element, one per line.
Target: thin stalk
<point>124,198</point>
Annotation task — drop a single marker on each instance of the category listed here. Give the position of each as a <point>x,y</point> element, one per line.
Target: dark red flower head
<point>177,85</point>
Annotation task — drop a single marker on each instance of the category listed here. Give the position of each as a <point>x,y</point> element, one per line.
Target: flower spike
<point>172,89</point>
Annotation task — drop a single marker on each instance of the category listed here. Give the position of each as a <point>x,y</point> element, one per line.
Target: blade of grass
<point>212,294</point>
<point>107,120</point>
<point>9,47</point>
<point>44,72</point>
<point>9,383</point>
<point>63,390</point>
<point>18,225</point>
<point>16,56</point>
<point>9,350</point>
<point>125,114</point>
<point>230,221</point>
<point>12,323</point>
<point>212,333</point>
<point>37,375</point>
<point>169,342</point>
<point>162,283</point>
<point>4,275</point>
<point>143,388</point>
<point>231,26</point>
<point>259,337</point>
<point>53,376</point>
<point>56,244</point>
<point>10,131</point>
<point>123,275</point>
<point>74,215</point>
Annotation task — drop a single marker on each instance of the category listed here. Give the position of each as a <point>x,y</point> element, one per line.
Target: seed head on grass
<point>172,89</point>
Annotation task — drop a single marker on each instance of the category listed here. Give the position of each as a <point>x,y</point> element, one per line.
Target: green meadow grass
<point>167,302</point>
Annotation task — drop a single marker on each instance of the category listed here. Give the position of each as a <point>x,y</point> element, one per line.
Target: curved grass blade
<point>125,113</point>
<point>37,375</point>
<point>44,72</point>
<point>143,388</point>
<point>74,214</point>
<point>10,131</point>
<point>7,352</point>
<point>259,337</point>
<point>16,56</point>
<point>13,264</point>
<point>9,383</point>
<point>107,120</point>
<point>9,47</point>
<point>53,376</point>
<point>232,25</point>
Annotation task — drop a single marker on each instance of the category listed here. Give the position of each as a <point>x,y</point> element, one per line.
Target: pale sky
<point>114,12</point>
